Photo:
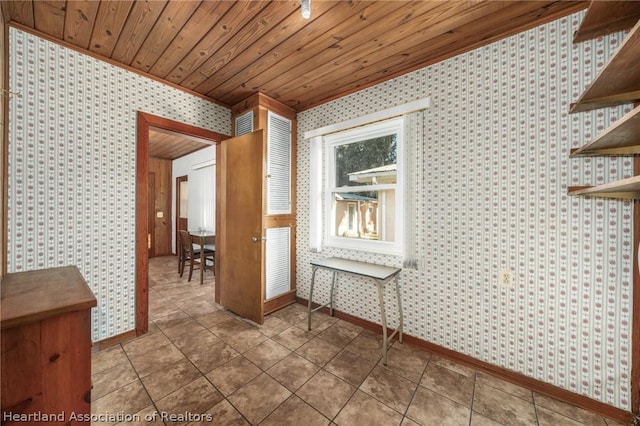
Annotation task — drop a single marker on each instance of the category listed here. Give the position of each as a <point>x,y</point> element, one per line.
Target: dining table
<point>203,238</point>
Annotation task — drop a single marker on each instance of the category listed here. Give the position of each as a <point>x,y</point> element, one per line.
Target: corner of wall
<point>4,84</point>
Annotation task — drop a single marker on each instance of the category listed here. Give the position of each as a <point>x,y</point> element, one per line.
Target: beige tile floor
<point>204,365</point>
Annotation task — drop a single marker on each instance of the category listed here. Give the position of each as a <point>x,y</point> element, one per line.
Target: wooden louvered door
<point>279,225</point>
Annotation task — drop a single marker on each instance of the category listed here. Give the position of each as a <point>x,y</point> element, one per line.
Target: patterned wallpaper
<point>493,171</point>
<point>72,141</point>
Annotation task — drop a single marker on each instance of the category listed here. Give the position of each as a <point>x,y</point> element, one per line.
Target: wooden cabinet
<point>46,347</point>
<point>617,83</point>
<point>279,122</point>
<point>272,154</point>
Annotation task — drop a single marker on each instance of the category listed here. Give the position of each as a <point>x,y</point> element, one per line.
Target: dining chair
<point>190,254</point>
<point>210,254</point>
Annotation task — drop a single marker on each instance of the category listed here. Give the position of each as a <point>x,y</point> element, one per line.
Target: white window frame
<point>358,134</point>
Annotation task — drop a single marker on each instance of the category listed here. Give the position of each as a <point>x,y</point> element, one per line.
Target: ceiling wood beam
<point>173,17</point>
<point>340,23</point>
<point>141,20</point>
<point>109,22</point>
<point>20,11</point>
<point>227,51</point>
<point>269,41</point>
<point>49,17</point>
<point>269,17</point>
<point>235,19</point>
<point>446,45</point>
<point>79,21</point>
<point>202,22</point>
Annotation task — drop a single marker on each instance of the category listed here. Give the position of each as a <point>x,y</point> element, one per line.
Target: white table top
<point>379,272</point>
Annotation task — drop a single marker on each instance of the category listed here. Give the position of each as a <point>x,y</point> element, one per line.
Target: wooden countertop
<point>31,296</point>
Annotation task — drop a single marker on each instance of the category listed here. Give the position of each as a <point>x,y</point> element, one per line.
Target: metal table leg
<point>385,336</point>
<point>333,285</point>
<point>330,302</point>
<point>401,326</point>
<point>383,314</point>
<point>314,269</point>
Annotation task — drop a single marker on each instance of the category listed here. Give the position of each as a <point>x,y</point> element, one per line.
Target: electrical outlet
<point>506,278</point>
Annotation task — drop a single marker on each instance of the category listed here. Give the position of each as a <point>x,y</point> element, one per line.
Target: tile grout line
<point>204,375</point>
<point>424,370</point>
<point>293,393</point>
<point>153,403</point>
<point>332,420</point>
<point>241,354</point>
<point>321,367</point>
<point>473,397</point>
<point>535,408</point>
<point>430,361</point>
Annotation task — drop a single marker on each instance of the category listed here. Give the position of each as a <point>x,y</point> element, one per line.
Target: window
<point>364,187</point>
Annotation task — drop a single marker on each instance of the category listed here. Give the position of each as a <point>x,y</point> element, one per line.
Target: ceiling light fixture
<point>305,7</point>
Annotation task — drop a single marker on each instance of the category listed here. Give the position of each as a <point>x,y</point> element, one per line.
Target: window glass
<point>365,215</point>
<point>366,162</point>
<point>363,186</point>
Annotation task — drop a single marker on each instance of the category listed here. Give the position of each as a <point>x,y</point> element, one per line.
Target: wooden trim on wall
<point>259,99</point>
<point>530,383</point>
<point>112,62</point>
<point>183,128</point>
<point>280,302</point>
<point>511,376</point>
<point>145,121</point>
<point>142,227</point>
<point>221,195</point>
<point>114,340</point>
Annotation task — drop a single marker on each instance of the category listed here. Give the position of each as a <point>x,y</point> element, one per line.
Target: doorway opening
<point>145,123</point>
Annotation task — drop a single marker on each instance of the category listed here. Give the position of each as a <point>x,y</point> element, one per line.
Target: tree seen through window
<point>362,156</point>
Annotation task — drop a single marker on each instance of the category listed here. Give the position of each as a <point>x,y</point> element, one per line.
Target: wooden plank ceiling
<point>228,50</point>
<point>170,145</point>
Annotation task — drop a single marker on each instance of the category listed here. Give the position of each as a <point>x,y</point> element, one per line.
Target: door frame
<point>144,121</point>
<point>151,216</point>
<point>179,180</point>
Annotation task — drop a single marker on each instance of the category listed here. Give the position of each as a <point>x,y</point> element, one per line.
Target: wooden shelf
<point>606,17</point>
<point>619,81</point>
<point>621,138</point>
<point>628,189</point>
